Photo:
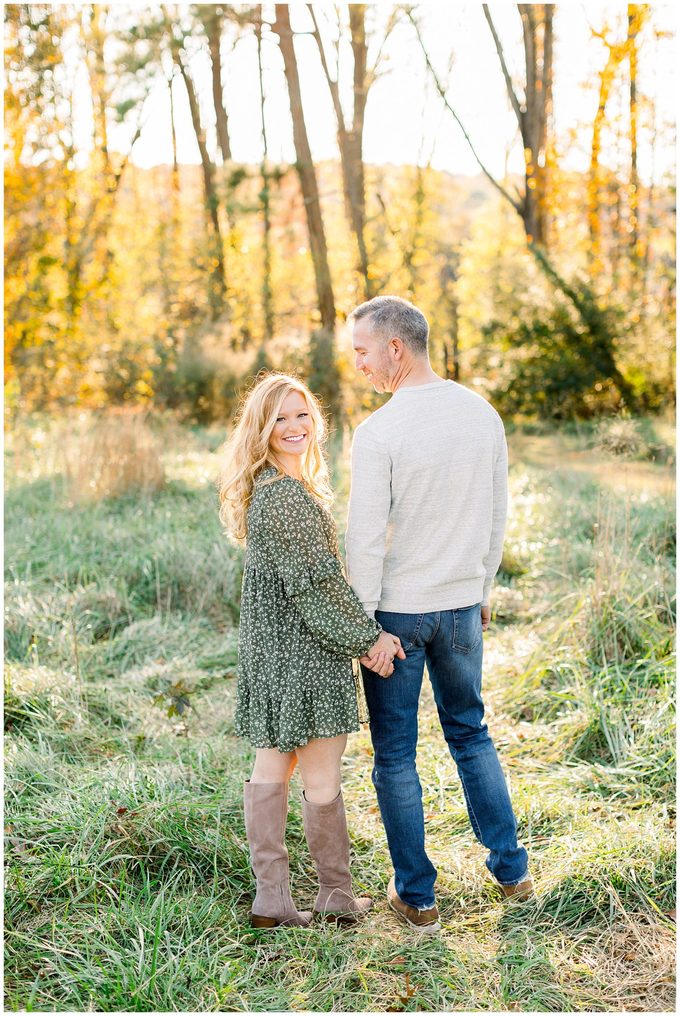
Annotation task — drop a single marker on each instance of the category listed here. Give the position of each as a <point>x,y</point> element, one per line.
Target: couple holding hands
<point>424,541</point>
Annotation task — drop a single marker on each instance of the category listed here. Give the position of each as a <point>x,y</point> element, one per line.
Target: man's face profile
<point>370,356</point>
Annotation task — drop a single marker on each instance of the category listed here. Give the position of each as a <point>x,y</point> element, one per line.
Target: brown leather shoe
<point>520,892</point>
<point>424,921</point>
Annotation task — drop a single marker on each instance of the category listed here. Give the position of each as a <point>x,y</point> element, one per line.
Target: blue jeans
<point>450,642</point>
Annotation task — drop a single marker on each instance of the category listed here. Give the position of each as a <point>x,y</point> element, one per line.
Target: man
<point>424,541</point>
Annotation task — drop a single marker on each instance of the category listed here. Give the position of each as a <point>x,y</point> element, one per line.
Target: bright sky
<point>405,120</point>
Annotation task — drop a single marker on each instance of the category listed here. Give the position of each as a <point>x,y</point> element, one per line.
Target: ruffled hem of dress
<point>310,722</point>
<point>297,743</point>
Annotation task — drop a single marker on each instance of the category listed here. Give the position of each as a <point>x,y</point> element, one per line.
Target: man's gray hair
<point>391,316</point>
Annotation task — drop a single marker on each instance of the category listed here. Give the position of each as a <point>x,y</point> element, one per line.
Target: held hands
<point>486,617</point>
<point>379,657</point>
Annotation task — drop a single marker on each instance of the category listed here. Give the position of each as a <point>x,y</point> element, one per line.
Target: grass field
<point>128,882</point>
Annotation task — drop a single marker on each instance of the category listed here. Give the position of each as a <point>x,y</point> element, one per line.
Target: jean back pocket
<point>467,628</point>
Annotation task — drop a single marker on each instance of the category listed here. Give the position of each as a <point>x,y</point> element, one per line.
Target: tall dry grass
<point>111,455</point>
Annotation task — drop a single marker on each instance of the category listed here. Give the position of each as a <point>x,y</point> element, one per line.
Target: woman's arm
<point>293,533</point>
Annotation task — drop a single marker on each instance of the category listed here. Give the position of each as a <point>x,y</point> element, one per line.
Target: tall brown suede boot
<point>326,832</point>
<point>266,808</point>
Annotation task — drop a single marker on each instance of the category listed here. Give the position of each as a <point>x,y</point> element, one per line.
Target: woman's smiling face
<point>293,430</point>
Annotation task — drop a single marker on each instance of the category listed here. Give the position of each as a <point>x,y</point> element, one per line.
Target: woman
<point>301,625</point>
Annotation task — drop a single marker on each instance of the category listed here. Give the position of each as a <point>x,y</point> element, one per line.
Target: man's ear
<point>398,347</point>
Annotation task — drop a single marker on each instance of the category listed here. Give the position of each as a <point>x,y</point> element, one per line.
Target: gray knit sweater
<point>428,501</point>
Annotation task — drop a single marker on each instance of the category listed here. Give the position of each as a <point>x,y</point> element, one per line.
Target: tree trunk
<point>73,258</point>
<point>93,27</point>
<point>651,221</point>
<point>92,24</point>
<point>595,181</point>
<point>617,219</point>
<point>90,244</point>
<point>267,296</point>
<point>212,18</point>
<point>218,286</point>
<point>544,141</point>
<point>537,34</point>
<point>173,137</point>
<point>306,173</point>
<point>409,253</point>
<point>350,140</point>
<point>447,279</point>
<point>636,17</point>
<point>533,115</point>
<point>355,139</point>
<point>454,341</point>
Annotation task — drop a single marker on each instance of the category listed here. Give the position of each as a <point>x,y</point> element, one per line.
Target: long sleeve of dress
<point>293,532</point>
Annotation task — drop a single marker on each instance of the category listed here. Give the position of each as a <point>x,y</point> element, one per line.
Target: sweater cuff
<point>371,608</point>
<point>486,592</point>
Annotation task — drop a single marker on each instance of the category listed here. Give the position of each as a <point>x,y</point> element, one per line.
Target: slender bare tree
<point>350,132</point>
<point>637,15</point>
<point>533,111</point>
<point>211,17</point>
<point>218,281</point>
<point>173,138</point>
<point>267,294</point>
<point>89,226</point>
<point>533,114</point>
<point>615,55</point>
<point>306,172</point>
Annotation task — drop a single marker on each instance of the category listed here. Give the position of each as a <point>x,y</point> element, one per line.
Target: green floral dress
<point>301,623</point>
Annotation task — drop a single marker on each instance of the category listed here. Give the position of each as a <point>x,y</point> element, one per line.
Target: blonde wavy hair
<point>247,452</point>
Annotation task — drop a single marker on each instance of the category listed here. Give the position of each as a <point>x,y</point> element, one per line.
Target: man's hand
<point>379,657</point>
<point>486,617</point>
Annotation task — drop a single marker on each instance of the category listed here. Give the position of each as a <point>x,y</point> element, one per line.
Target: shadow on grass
<point>583,909</point>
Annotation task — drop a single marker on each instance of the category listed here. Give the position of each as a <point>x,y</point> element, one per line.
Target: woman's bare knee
<point>273,766</point>
<point>319,762</point>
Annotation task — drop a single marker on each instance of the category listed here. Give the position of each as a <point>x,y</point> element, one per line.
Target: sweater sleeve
<point>312,575</point>
<point>369,509</point>
<point>494,555</point>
